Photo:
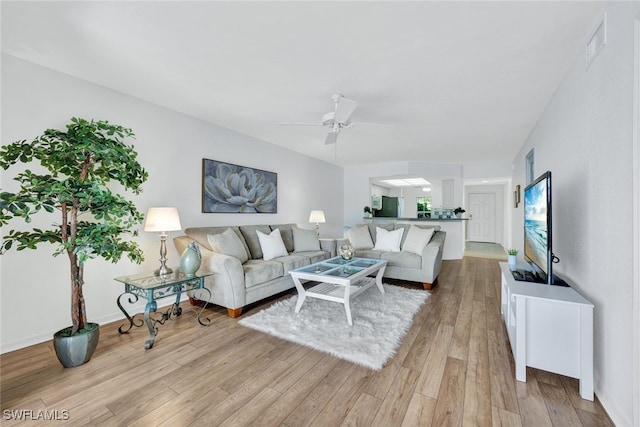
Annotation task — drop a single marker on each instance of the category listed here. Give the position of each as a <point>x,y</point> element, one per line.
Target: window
<point>530,167</point>
<point>424,207</point>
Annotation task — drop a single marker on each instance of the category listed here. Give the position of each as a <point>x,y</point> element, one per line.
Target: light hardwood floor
<point>453,368</point>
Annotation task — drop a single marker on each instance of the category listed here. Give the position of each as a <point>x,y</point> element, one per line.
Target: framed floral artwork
<point>229,188</point>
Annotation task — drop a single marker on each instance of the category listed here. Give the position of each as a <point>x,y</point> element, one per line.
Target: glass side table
<point>152,287</point>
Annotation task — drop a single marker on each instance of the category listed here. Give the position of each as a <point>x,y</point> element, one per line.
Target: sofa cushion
<point>228,243</point>
<point>257,271</point>
<point>251,238</point>
<point>388,240</point>
<point>293,261</point>
<point>315,256</point>
<point>368,253</point>
<point>305,240</point>
<point>360,237</point>
<point>271,245</point>
<point>286,233</point>
<point>417,239</point>
<point>402,259</point>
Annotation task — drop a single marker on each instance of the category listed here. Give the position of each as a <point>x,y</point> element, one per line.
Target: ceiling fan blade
<point>351,124</point>
<point>299,124</point>
<point>343,109</point>
<point>332,138</point>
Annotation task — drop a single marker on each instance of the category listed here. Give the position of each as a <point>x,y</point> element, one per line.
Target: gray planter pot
<point>76,350</point>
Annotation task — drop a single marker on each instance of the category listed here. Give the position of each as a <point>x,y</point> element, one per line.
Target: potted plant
<point>83,164</point>
<point>458,211</point>
<point>367,211</point>
<point>512,258</point>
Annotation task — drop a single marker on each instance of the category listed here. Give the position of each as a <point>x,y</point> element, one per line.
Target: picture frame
<point>518,191</point>
<point>515,198</point>
<point>231,188</point>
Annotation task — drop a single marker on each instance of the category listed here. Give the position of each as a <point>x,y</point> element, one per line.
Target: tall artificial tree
<point>83,163</point>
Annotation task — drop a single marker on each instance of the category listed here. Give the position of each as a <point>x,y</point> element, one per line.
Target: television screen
<point>537,227</point>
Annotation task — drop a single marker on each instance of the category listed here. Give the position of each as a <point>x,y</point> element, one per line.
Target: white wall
<point>34,293</point>
<point>584,137</point>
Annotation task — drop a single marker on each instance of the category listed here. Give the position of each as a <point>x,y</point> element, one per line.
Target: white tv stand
<point>549,328</point>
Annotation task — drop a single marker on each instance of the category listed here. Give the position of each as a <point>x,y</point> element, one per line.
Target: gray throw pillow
<point>305,240</point>
<point>251,237</point>
<point>360,237</point>
<point>228,243</point>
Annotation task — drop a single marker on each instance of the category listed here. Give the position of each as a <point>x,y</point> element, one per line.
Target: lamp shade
<point>317,217</point>
<point>162,219</point>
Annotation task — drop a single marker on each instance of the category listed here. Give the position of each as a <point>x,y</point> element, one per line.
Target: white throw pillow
<point>305,240</point>
<point>417,239</point>
<point>388,240</point>
<point>360,238</point>
<point>228,243</point>
<point>271,244</point>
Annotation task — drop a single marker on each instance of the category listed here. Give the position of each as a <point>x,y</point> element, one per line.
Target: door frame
<point>499,189</point>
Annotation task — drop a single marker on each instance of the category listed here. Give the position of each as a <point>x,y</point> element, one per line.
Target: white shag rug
<point>380,321</point>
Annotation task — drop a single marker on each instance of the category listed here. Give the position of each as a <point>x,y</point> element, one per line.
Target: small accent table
<point>151,287</point>
<point>340,280</point>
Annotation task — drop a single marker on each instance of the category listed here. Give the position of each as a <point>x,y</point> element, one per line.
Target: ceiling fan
<point>338,119</point>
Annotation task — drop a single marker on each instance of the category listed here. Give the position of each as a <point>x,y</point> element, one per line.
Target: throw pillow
<point>271,244</point>
<point>250,236</point>
<point>228,243</point>
<point>305,240</point>
<point>417,239</point>
<point>388,240</point>
<point>360,238</point>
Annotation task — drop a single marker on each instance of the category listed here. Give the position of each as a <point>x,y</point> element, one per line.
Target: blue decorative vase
<point>191,259</point>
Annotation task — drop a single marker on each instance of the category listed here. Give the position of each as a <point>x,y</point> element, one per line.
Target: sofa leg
<point>428,286</point>
<point>234,312</point>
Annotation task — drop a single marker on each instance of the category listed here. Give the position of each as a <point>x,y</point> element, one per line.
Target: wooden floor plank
<point>420,411</point>
<point>450,406</point>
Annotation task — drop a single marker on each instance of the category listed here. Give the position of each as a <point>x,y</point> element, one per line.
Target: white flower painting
<point>231,188</point>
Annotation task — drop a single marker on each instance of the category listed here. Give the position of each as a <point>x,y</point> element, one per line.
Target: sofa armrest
<point>342,241</point>
<point>329,245</point>
<point>432,253</point>
<point>227,283</point>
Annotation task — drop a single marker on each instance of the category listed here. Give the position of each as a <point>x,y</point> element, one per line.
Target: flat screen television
<point>538,228</point>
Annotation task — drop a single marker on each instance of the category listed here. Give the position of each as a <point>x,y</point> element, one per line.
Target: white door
<point>482,217</point>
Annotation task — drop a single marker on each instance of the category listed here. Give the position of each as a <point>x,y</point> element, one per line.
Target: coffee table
<point>340,280</point>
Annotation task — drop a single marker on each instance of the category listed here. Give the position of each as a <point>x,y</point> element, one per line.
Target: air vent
<point>597,41</point>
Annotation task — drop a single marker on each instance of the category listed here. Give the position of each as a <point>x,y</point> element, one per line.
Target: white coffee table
<point>340,280</point>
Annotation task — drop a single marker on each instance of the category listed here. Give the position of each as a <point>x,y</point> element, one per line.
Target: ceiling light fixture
<point>406,182</point>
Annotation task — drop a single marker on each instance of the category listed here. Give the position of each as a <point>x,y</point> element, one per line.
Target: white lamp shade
<point>317,217</point>
<point>162,219</point>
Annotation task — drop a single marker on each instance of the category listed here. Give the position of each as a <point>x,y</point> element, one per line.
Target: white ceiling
<point>461,82</point>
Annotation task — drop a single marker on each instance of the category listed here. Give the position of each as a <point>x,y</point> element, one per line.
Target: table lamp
<point>162,220</point>
<point>318,218</point>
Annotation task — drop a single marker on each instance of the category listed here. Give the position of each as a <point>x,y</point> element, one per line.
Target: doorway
<point>482,215</point>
